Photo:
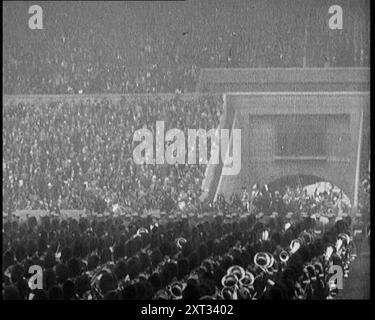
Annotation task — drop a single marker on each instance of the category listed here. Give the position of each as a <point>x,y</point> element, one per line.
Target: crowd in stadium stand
<point>162,51</point>
<point>145,234</point>
<point>75,155</point>
<point>223,251</point>
<point>135,239</point>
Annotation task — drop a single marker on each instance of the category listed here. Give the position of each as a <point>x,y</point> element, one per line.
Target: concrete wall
<point>257,115</point>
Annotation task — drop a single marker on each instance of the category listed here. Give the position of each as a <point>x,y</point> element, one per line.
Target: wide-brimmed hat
<point>260,215</point>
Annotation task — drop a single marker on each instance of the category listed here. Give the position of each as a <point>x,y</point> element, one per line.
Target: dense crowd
<point>145,233</point>
<point>136,239</point>
<point>218,252</point>
<point>161,47</point>
<point>78,155</point>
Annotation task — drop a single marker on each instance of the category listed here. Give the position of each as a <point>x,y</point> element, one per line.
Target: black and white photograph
<point>186,150</point>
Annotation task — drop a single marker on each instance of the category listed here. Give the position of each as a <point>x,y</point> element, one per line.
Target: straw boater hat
<point>274,214</point>
<point>338,218</point>
<point>324,220</point>
<point>289,215</point>
<point>260,215</point>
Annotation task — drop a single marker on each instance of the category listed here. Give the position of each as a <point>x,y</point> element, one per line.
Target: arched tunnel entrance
<point>271,150</point>
<point>312,184</point>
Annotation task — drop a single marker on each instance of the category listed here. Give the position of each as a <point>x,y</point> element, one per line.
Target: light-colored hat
<point>289,215</point>
<point>274,214</point>
<point>324,220</point>
<point>260,215</point>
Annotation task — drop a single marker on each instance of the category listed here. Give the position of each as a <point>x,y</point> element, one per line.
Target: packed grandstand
<point>143,232</point>
<point>160,47</point>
